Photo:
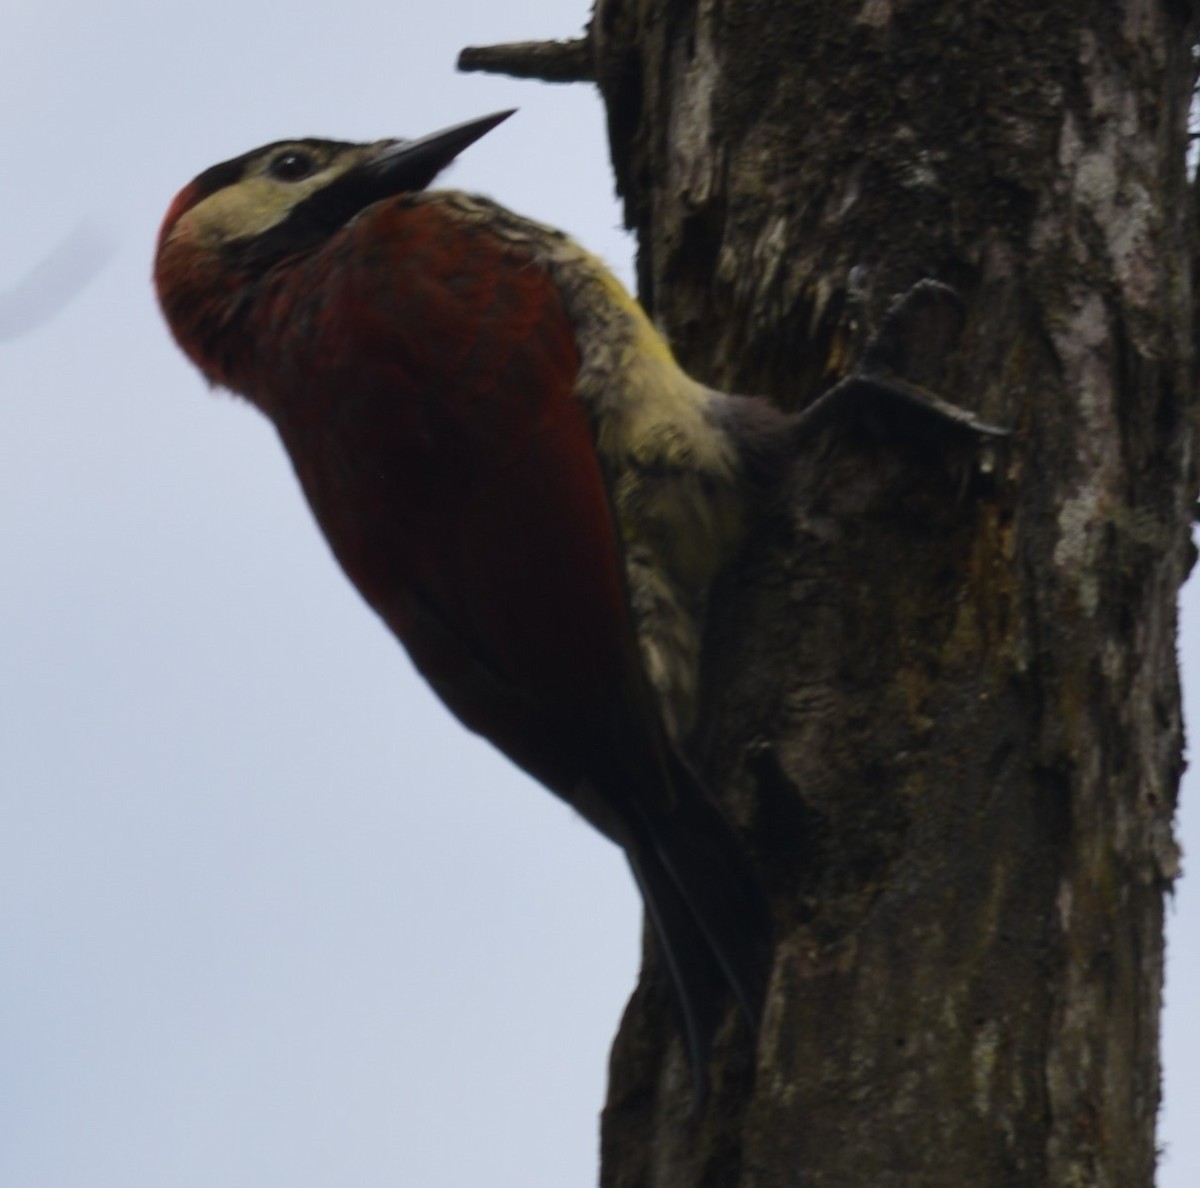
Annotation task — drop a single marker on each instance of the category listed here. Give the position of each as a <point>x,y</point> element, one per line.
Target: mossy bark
<point>943,699</point>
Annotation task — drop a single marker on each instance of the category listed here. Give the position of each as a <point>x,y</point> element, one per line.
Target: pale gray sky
<point>236,940</point>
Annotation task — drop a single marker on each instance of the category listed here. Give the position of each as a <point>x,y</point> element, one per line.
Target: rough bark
<point>943,692</point>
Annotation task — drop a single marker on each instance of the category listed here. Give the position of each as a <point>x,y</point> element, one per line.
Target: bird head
<point>291,195</point>
<point>235,221</point>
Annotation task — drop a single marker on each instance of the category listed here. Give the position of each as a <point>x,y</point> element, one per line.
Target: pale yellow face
<point>274,181</point>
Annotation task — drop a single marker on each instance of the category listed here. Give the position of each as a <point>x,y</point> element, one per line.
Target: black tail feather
<point>700,988</point>
<point>709,910</point>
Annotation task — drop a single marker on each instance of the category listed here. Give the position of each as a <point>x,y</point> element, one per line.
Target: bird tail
<point>708,909</point>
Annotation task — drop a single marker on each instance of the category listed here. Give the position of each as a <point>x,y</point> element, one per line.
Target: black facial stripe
<point>326,210</point>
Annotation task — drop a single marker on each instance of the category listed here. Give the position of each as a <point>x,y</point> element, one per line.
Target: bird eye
<point>292,166</point>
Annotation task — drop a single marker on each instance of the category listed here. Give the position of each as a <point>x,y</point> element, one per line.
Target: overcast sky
<point>268,916</point>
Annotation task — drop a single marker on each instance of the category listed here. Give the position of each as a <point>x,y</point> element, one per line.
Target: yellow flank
<point>673,473</point>
<point>652,342</point>
<point>661,410</point>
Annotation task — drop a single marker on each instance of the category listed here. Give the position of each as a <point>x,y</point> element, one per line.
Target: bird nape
<point>517,477</point>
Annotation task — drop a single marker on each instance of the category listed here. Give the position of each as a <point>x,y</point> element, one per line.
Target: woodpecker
<point>515,473</point>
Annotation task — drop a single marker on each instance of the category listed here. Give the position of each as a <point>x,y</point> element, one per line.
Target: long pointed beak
<point>413,164</point>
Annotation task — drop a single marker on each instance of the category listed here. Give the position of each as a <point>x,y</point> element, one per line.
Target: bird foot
<point>887,388</point>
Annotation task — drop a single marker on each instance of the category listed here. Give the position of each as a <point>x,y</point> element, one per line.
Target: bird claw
<point>904,354</point>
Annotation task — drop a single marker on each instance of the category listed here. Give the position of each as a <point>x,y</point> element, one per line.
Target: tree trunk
<point>942,689</point>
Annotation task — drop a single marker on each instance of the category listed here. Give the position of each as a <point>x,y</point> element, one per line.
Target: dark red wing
<point>431,417</point>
